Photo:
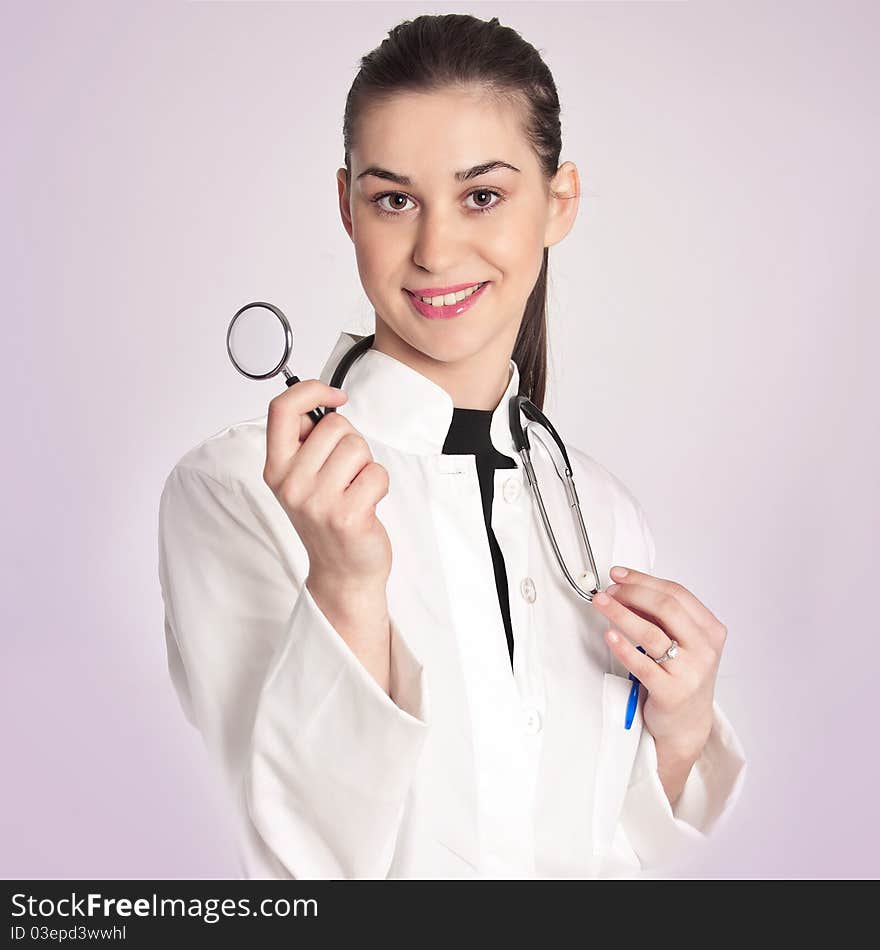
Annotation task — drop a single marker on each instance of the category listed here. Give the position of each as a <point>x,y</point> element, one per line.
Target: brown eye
<point>484,192</point>
<point>399,200</point>
<point>390,196</point>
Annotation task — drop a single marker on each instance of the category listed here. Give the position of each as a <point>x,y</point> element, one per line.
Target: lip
<point>442,291</point>
<point>449,311</point>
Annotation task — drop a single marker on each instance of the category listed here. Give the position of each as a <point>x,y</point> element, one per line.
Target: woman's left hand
<point>652,612</point>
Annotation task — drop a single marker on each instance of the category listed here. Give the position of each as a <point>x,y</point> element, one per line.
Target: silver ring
<point>670,654</point>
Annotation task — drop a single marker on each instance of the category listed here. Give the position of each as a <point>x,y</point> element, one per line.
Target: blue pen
<point>633,698</point>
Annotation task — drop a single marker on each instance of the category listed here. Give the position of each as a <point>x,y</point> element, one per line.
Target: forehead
<point>428,136</point>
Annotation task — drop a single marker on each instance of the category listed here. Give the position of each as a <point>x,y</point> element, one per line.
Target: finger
<point>698,611</point>
<point>346,460</point>
<point>287,424</point>
<point>648,672</point>
<point>654,639</point>
<point>662,609</point>
<point>320,449</point>
<point>368,487</point>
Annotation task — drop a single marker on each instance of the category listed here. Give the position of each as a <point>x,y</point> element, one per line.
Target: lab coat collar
<point>391,402</point>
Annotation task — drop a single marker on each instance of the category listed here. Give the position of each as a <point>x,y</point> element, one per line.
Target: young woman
<point>364,616</point>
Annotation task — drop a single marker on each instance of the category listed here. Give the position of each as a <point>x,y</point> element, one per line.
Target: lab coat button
<point>527,589</point>
<point>532,722</point>
<point>511,489</point>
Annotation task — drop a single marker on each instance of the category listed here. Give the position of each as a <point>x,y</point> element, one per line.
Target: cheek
<point>372,254</point>
<point>517,250</point>
<point>380,248</point>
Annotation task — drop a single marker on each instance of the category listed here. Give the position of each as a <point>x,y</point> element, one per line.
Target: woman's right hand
<point>325,479</point>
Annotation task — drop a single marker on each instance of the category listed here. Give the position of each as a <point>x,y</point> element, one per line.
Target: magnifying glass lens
<point>257,341</point>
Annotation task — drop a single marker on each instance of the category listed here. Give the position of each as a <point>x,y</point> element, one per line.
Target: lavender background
<point>714,341</point>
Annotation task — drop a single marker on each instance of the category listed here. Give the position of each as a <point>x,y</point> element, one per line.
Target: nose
<point>438,243</point>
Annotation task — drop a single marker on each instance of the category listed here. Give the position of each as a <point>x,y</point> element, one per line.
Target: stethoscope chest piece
<point>259,342</point>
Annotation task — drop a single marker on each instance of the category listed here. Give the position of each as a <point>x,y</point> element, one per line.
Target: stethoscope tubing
<point>518,404</point>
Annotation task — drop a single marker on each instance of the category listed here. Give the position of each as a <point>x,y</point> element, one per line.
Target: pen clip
<point>633,701</point>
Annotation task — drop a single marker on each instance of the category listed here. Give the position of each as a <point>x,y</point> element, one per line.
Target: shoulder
<point>217,487</point>
<point>233,456</point>
<point>215,499</point>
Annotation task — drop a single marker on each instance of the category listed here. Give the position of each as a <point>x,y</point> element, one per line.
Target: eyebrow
<point>465,175</point>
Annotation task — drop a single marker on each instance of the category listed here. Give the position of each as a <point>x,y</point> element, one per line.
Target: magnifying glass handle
<point>316,415</point>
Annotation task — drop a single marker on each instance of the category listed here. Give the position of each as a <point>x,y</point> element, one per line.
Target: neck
<point>475,382</point>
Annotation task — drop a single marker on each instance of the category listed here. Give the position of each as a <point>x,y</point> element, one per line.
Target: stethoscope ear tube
<point>571,494</point>
<point>519,434</point>
<point>522,404</point>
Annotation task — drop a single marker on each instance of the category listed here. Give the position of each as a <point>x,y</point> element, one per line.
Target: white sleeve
<point>317,757</point>
<point>659,834</point>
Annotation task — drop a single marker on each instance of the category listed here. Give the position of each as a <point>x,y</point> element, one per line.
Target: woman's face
<point>436,231</point>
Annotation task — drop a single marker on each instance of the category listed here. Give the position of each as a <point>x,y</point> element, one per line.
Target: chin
<point>453,345</point>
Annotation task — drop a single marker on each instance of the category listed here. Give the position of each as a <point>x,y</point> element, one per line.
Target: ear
<point>344,200</point>
<point>565,192</point>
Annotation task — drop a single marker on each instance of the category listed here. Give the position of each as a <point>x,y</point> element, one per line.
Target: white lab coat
<point>471,770</point>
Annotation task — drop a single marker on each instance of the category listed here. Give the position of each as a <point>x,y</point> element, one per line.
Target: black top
<point>469,435</point>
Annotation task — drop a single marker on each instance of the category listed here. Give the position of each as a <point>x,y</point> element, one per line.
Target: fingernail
<point>612,588</point>
<point>619,572</point>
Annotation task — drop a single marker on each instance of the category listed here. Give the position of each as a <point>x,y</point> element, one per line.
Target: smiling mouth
<point>448,299</point>
<point>447,311</point>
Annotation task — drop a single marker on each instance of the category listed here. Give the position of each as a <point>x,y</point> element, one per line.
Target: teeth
<point>447,299</point>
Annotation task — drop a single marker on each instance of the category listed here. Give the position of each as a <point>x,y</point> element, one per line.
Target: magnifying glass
<point>259,342</point>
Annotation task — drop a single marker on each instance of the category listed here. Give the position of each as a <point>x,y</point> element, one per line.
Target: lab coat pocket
<point>617,750</point>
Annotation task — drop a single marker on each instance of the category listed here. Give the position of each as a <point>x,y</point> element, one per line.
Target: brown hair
<point>430,53</point>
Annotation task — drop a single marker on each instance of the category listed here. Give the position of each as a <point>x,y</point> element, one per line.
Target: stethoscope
<point>259,330</point>
<point>266,331</point>
<point>517,407</point>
